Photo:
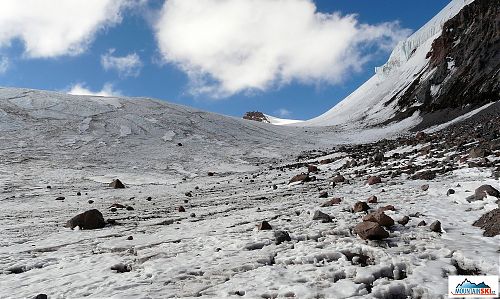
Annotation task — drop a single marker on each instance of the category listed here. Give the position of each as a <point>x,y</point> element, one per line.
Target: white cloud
<point>126,66</point>
<point>228,46</point>
<point>52,28</point>
<point>4,64</point>
<point>106,91</point>
<point>282,112</point>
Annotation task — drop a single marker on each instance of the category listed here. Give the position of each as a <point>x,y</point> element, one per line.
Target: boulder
<point>300,178</point>
<point>424,175</point>
<point>370,231</point>
<point>331,202</point>
<point>116,184</point>
<point>312,168</point>
<point>91,219</point>
<point>372,180</point>
<point>372,199</point>
<point>404,221</point>
<point>281,236</point>
<point>264,225</point>
<point>485,190</point>
<point>325,218</point>
<point>360,206</point>
<point>338,179</point>
<point>379,217</point>
<point>490,223</point>
<point>435,226</point>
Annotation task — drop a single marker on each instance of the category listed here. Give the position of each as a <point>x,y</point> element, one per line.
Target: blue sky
<point>139,49</point>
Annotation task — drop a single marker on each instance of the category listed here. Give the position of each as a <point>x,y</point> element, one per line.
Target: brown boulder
<point>372,199</point>
<point>312,168</point>
<point>387,208</point>
<point>490,223</point>
<point>485,190</point>
<point>91,219</point>
<point>338,179</point>
<point>360,206</point>
<point>300,178</point>
<point>331,202</point>
<point>380,218</point>
<point>424,175</point>
<point>372,180</point>
<point>370,231</point>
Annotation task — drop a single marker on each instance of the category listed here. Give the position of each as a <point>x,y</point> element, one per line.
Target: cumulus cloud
<point>52,28</point>
<point>4,65</point>
<point>126,66</point>
<point>106,91</point>
<point>228,46</point>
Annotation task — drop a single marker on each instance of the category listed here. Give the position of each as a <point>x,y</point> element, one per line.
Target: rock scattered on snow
<point>490,223</point>
<point>370,231</point>
<point>91,219</point>
<point>325,218</point>
<point>264,225</point>
<point>281,236</point>
<point>435,226</point>
<point>116,184</point>
<point>121,268</point>
<point>379,217</point>
<point>360,206</point>
<point>331,202</point>
<point>372,180</point>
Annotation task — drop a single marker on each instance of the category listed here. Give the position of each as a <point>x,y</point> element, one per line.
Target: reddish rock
<point>323,194</point>
<point>331,202</point>
<point>380,218</point>
<point>360,206</point>
<point>300,178</point>
<point>372,180</point>
<point>370,231</point>
<point>485,190</point>
<point>312,168</point>
<point>387,208</point>
<point>372,199</point>
<point>404,220</point>
<point>338,179</point>
<point>490,223</point>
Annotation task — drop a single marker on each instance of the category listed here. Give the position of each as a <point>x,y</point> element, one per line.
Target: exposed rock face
<point>463,71</point>
<point>485,190</point>
<point>490,222</point>
<point>256,116</point>
<point>91,219</point>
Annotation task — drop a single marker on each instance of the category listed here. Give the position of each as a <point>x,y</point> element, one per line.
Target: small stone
<point>300,178</point>
<point>387,208</point>
<point>360,206</point>
<point>181,209</point>
<point>372,180</point>
<point>121,268</point>
<point>91,201</point>
<point>113,210</point>
<point>323,194</point>
<point>331,202</point>
<point>422,223</point>
<point>435,226</point>
<point>312,168</point>
<point>325,218</point>
<point>129,208</point>
<point>78,193</point>
<point>372,199</point>
<point>188,194</point>
<point>192,215</point>
<point>338,179</point>
<point>210,173</point>
<point>424,175</point>
<point>450,192</point>
<point>130,238</point>
<point>424,187</point>
<point>116,184</point>
<point>275,187</point>
<point>60,198</point>
<point>281,236</point>
<point>40,296</point>
<point>264,225</point>
<point>179,144</point>
<point>49,187</point>
<point>149,198</point>
<point>404,220</point>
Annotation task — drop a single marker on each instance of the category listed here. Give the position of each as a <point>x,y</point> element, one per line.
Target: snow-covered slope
<point>281,121</point>
<point>369,105</point>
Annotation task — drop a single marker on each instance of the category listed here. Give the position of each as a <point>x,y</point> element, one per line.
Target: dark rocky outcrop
<point>256,116</point>
<point>490,223</point>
